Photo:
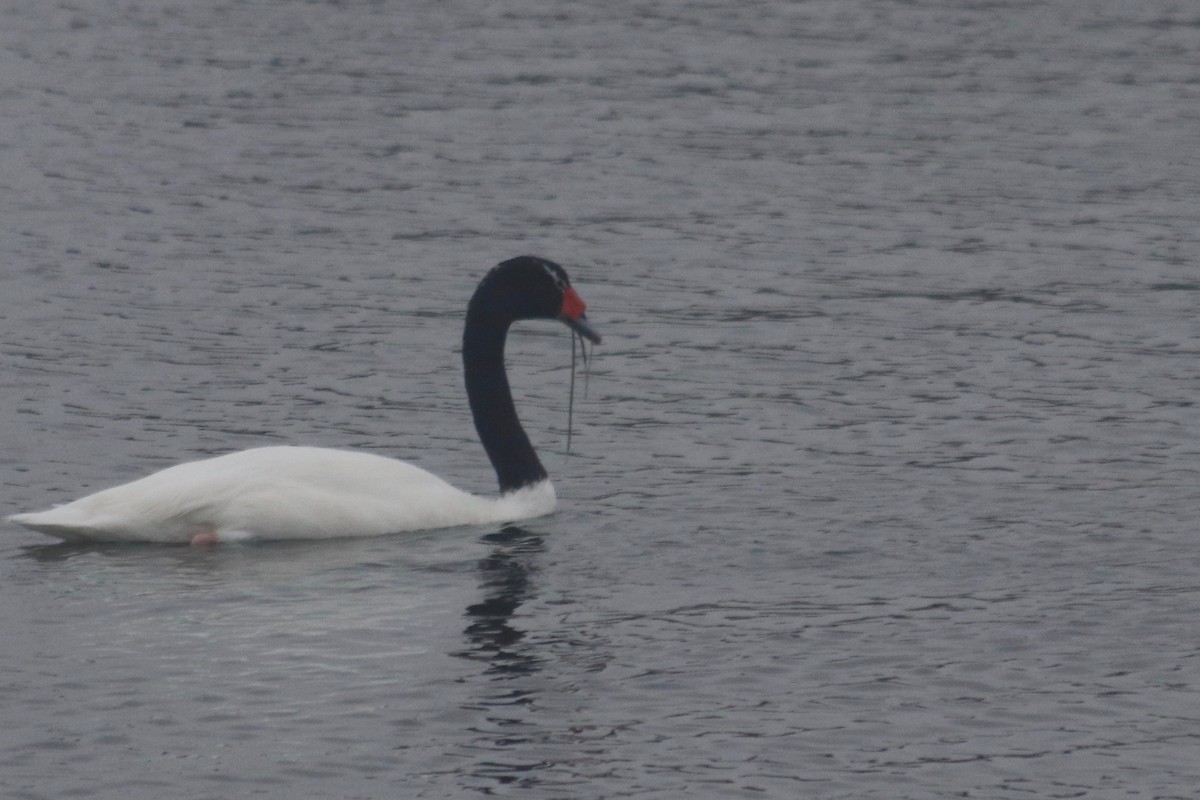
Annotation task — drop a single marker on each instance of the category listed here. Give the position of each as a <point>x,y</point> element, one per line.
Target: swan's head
<point>529,287</point>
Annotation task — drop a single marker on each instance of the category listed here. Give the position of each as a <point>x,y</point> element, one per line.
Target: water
<point>884,486</point>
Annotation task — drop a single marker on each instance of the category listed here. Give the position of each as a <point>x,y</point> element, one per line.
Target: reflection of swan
<point>309,492</point>
<point>505,578</point>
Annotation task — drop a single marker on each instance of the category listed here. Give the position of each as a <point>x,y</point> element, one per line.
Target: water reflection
<point>54,553</point>
<point>506,578</point>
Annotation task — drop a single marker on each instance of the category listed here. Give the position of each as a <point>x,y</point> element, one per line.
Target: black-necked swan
<point>318,493</point>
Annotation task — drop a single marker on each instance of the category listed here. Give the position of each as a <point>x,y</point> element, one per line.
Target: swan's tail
<point>65,523</point>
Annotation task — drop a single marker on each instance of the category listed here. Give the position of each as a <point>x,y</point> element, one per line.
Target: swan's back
<point>282,493</point>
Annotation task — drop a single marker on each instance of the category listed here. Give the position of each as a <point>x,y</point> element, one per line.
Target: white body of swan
<point>282,493</point>
<point>315,493</point>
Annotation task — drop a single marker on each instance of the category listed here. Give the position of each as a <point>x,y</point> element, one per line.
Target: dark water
<point>886,481</point>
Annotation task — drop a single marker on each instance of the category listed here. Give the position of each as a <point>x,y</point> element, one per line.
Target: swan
<point>295,492</point>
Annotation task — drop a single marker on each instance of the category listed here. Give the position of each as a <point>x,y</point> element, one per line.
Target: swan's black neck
<point>511,453</point>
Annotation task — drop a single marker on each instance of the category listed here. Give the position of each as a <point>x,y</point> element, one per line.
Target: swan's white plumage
<point>282,493</point>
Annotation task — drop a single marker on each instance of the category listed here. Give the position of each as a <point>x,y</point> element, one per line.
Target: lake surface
<point>885,484</point>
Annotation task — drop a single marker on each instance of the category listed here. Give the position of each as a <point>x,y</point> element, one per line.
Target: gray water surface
<point>884,485</point>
